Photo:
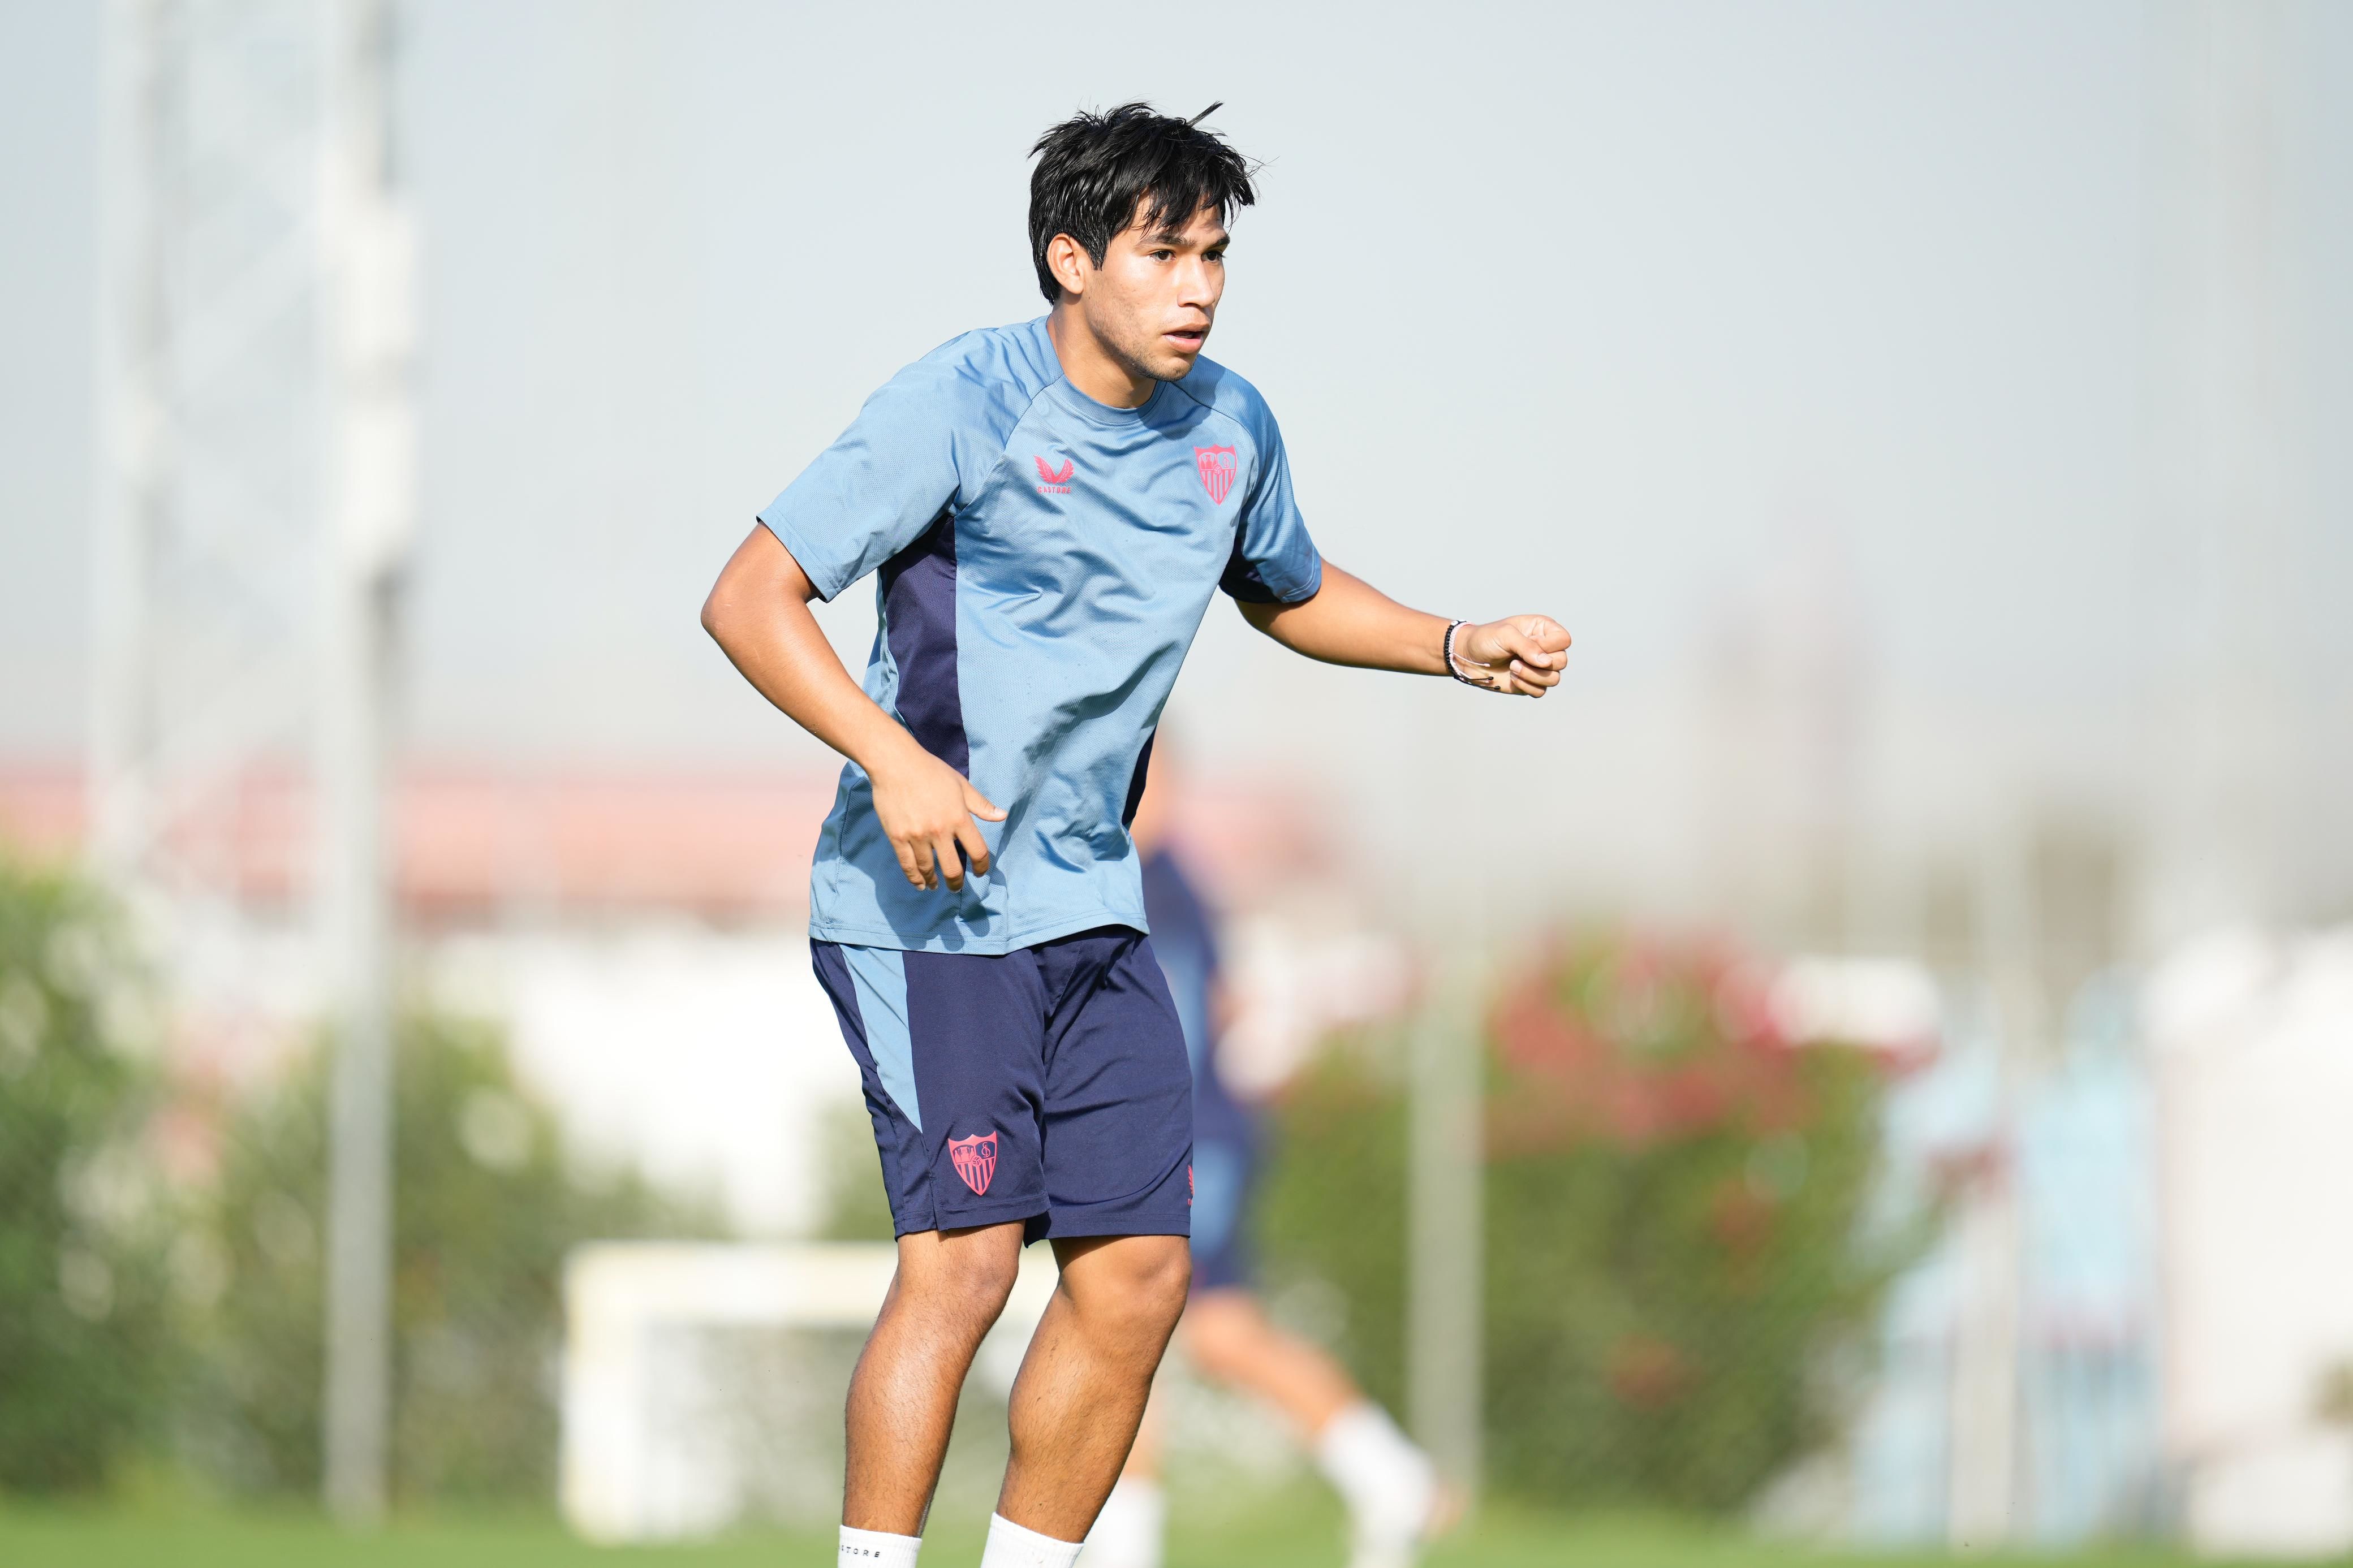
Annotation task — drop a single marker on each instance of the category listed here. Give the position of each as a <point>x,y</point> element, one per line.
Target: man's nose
<point>1194,284</point>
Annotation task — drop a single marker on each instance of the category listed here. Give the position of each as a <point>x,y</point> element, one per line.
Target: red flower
<point>1646,1372</point>
<point>1741,1219</point>
<point>1642,1041</point>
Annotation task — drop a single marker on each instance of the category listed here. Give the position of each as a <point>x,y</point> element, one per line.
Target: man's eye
<point>1162,255</point>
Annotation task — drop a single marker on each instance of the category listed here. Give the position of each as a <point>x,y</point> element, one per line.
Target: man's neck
<point>1089,365</point>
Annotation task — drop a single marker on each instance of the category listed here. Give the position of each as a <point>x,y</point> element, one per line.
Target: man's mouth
<point>1187,339</point>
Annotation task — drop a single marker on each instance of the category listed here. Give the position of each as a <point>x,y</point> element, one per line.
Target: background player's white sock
<point>1010,1546</point>
<point>876,1549</point>
<point>1388,1484</point>
<point>1129,1531</point>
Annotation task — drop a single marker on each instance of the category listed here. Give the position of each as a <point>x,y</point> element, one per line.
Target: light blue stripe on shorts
<point>881,975</point>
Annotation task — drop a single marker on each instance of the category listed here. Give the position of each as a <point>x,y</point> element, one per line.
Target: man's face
<point>1154,298</point>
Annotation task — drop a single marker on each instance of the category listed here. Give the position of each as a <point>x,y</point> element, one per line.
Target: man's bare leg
<point>950,1288</point>
<point>1130,1530</point>
<point>1394,1497</point>
<point>1089,1370</point>
<point>1232,1338</point>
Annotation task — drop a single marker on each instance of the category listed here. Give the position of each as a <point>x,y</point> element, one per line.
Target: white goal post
<point>646,1452</point>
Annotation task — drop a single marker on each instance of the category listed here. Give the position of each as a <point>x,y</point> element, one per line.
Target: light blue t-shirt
<point>1043,561</point>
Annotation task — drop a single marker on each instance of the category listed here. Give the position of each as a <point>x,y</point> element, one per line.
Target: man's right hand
<point>926,808</point>
<point>759,611</point>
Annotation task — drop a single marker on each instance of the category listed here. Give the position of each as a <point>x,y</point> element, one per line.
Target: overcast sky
<point>1594,310</point>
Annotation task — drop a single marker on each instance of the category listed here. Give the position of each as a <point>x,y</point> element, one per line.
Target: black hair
<point>1098,173</point>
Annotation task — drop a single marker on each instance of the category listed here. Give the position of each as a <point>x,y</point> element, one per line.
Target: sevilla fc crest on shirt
<point>975,1160</point>
<point>1216,465</point>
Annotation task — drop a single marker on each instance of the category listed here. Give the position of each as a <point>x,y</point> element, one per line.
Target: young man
<point>1049,508</point>
<point>1392,1492</point>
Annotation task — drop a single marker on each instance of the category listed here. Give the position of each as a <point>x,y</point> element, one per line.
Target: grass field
<point>1302,1533</point>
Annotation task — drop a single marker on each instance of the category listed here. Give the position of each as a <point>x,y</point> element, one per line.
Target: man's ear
<point>1068,260</point>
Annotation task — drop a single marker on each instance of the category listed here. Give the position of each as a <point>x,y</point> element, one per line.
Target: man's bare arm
<point>758,612</point>
<point>1351,622</point>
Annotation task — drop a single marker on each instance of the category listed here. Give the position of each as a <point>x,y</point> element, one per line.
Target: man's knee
<point>1166,1274</point>
<point>1135,1282</point>
<point>959,1278</point>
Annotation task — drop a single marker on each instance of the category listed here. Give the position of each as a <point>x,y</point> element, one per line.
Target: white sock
<point>1010,1546</point>
<point>1387,1483</point>
<point>875,1548</point>
<point>1129,1531</point>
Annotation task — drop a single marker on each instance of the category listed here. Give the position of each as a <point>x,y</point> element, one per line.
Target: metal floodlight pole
<point>204,515</point>
<point>1446,1226</point>
<point>2229,459</point>
<point>131,481</point>
<point>253,500</point>
<point>367,332</point>
<point>1445,1172</point>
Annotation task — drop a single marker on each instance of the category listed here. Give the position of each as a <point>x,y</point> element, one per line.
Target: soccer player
<point>1047,508</point>
<point>1392,1491</point>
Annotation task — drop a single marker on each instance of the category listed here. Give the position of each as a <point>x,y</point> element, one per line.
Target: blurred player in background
<point>1392,1492</point>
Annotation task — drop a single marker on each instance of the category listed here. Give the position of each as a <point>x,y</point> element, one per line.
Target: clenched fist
<point>1520,656</point>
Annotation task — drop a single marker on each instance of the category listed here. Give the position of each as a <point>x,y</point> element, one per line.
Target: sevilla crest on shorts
<point>975,1160</point>
<point>1216,465</point>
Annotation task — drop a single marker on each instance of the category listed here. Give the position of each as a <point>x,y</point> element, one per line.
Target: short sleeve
<point>1274,561</point>
<point>882,483</point>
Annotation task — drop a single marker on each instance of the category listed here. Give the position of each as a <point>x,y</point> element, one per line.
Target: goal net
<point>702,1388</point>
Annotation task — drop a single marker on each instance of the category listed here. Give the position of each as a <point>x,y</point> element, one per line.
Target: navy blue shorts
<point>1225,1174</point>
<point>1047,1085</point>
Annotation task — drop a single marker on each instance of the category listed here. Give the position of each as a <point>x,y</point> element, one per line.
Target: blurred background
<point>1868,1062</point>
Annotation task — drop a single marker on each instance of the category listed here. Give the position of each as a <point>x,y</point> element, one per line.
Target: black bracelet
<point>1455,670</point>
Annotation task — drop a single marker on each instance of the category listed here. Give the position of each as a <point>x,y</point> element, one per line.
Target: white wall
<point>708,1060</point>
<point>2256,1151</point>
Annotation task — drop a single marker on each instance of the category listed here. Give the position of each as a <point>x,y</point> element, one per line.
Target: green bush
<point>1677,1267</point>
<point>486,1202</point>
<point>856,1206</point>
<point>1330,1217</point>
<point>85,1336</point>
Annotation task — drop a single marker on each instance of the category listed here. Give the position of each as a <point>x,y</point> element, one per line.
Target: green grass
<point>1302,1530</point>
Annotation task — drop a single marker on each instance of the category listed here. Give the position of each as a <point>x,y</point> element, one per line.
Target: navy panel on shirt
<point>918,590</point>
